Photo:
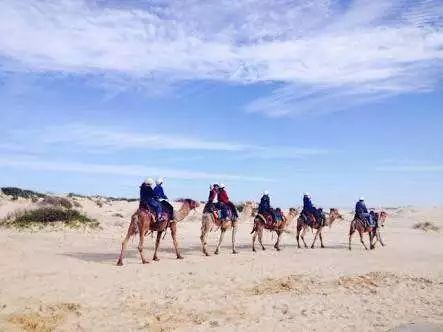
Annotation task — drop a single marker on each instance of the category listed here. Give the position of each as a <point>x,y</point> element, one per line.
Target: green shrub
<point>47,216</point>
<point>17,192</point>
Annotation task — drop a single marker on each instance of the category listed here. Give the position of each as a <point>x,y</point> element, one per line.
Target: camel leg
<point>277,244</point>
<point>361,240</point>
<point>220,240</point>
<point>157,244</point>
<point>351,231</point>
<point>298,236</point>
<point>142,230</point>
<point>371,238</point>
<point>203,237</point>
<point>254,236</point>
<point>315,238</point>
<point>173,226</point>
<point>234,232</point>
<point>378,237</point>
<point>321,239</point>
<point>124,244</point>
<point>303,232</point>
<point>260,237</point>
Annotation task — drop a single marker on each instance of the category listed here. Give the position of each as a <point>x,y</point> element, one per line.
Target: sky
<point>340,99</point>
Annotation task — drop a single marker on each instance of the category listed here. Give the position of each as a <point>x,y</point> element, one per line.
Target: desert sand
<point>67,280</point>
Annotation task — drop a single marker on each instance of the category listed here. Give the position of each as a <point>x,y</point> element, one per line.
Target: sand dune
<point>67,280</point>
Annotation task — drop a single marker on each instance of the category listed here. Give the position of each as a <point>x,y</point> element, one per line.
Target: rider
<point>160,194</point>
<point>225,203</point>
<point>265,206</point>
<point>362,212</point>
<point>210,205</point>
<point>309,208</point>
<point>148,198</point>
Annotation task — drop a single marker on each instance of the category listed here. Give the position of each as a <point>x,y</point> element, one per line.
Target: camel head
<point>293,212</point>
<point>382,215</point>
<point>333,215</point>
<point>191,203</point>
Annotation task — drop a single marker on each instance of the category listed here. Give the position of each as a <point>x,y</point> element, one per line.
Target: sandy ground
<point>67,280</point>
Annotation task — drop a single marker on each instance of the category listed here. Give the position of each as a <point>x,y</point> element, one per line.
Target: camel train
<point>155,215</point>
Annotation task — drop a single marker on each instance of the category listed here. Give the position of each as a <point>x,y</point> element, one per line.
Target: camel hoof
<point>206,254</point>
<point>234,252</point>
<point>278,249</point>
<point>312,247</point>
<point>145,262</point>
<point>322,247</point>
<point>263,248</point>
<point>216,252</point>
<point>120,262</point>
<point>253,249</point>
<point>156,258</point>
<point>180,257</point>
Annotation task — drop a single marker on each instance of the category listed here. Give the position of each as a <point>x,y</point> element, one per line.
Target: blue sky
<point>337,98</point>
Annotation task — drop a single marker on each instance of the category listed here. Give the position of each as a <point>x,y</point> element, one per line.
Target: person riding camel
<point>225,203</point>
<point>362,213</point>
<point>210,205</point>
<point>265,206</point>
<point>148,198</point>
<point>160,194</point>
<point>310,209</point>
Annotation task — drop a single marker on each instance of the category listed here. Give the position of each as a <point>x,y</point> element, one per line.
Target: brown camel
<point>209,223</point>
<point>302,226</point>
<point>362,227</point>
<point>142,222</point>
<point>260,224</point>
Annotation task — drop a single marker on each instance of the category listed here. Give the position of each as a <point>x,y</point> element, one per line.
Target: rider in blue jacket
<point>265,205</point>
<point>309,208</point>
<point>362,211</point>
<point>148,198</point>
<point>160,194</point>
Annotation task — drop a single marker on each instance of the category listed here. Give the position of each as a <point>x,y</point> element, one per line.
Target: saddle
<point>148,209</point>
<point>309,218</point>
<point>269,221</point>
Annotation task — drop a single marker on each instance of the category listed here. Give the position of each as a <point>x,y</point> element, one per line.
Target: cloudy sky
<point>337,98</point>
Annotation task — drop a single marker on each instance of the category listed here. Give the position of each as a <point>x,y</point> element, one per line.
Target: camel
<point>362,227</point>
<point>302,226</point>
<point>280,227</point>
<point>142,222</point>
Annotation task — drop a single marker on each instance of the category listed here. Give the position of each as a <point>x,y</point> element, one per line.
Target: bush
<point>426,226</point>
<point>57,201</point>
<point>48,215</point>
<point>17,192</point>
<point>118,215</point>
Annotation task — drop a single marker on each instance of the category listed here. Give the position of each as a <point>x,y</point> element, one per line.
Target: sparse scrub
<point>57,201</point>
<point>426,226</point>
<point>118,215</point>
<point>48,216</point>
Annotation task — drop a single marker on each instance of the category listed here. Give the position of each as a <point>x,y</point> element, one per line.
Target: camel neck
<point>182,213</point>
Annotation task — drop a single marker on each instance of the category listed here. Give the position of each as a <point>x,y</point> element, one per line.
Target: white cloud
<point>113,139</point>
<point>30,163</point>
<point>354,53</point>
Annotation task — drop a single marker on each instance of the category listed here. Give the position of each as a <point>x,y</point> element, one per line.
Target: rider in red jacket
<point>223,198</point>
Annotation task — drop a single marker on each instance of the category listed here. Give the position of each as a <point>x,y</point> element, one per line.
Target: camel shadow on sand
<point>168,253</point>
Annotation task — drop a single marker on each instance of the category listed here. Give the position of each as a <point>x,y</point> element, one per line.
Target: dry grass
<point>293,283</point>
<point>46,319</point>
<point>426,226</point>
